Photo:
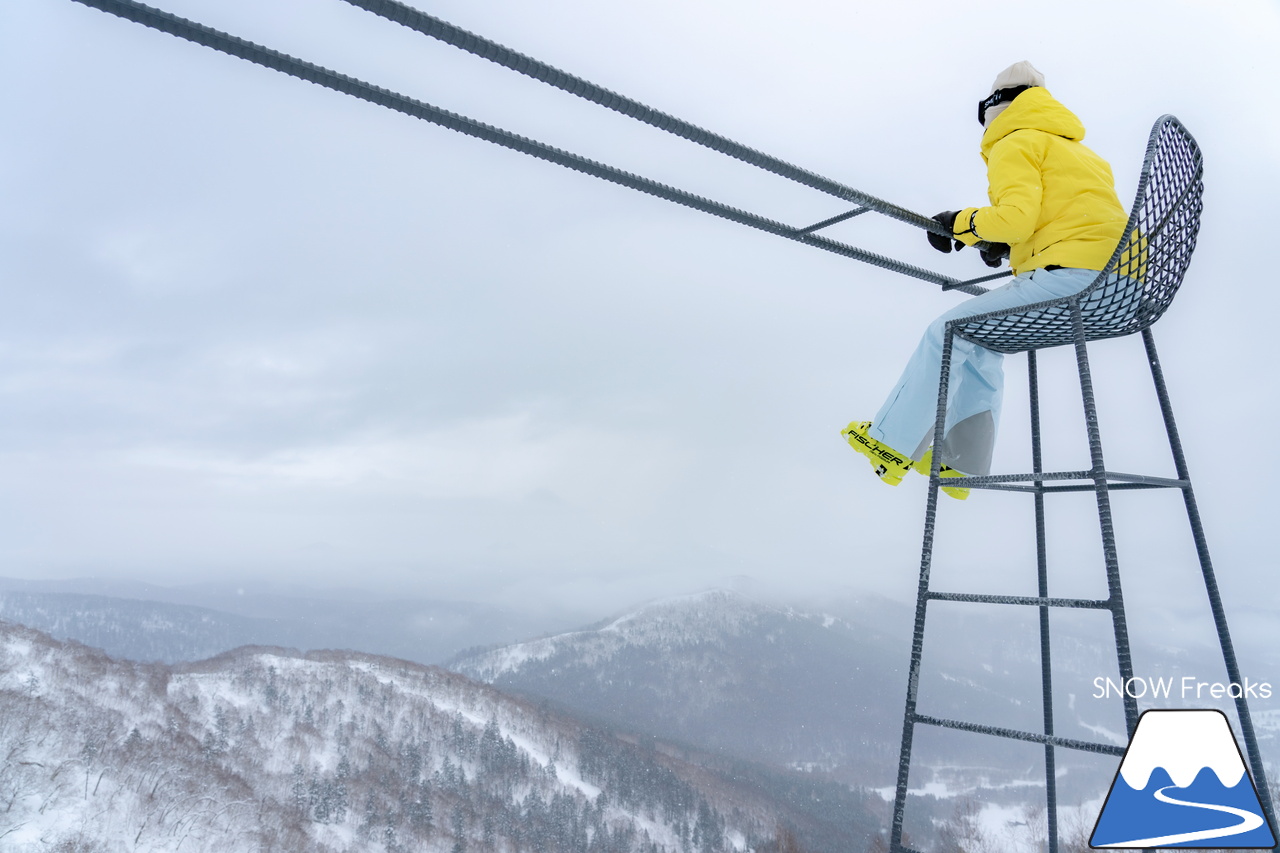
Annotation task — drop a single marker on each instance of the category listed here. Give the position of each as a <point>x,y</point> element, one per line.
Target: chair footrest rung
<point>1015,734</point>
<point>1085,480</point>
<point>1028,600</point>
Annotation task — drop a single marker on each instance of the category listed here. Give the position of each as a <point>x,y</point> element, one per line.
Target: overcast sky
<point>255,328</point>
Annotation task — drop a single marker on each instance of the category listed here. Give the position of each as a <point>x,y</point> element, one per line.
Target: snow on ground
<point>537,753</point>
<point>181,794</point>
<point>1017,829</point>
<point>932,789</point>
<point>690,619</point>
<point>1102,731</point>
<point>510,658</point>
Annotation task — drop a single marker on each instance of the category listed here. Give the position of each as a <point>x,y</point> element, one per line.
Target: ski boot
<point>926,463</point>
<point>889,465</point>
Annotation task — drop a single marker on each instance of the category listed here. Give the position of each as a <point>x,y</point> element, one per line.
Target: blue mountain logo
<point>1182,783</point>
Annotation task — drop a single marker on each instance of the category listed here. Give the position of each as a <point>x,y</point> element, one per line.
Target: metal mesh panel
<point>1144,273</point>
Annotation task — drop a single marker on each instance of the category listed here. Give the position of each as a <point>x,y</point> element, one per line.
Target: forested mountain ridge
<point>791,687</point>
<point>150,623</point>
<point>275,750</point>
<point>820,687</point>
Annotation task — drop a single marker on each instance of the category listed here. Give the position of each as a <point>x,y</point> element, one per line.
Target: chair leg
<point>922,600</point>
<point>1042,571</point>
<point>1116,598</point>
<point>1210,580</point>
<point>1115,601</point>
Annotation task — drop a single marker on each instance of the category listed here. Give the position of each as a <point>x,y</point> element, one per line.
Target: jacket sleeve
<point>1015,189</point>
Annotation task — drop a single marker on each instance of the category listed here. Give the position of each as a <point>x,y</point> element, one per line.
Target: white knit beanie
<point>1018,74</point>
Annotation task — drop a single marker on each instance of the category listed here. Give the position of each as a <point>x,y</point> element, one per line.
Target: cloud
<point>511,458</point>
<point>246,317</point>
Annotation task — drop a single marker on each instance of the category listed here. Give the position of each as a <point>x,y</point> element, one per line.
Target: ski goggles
<point>999,96</point>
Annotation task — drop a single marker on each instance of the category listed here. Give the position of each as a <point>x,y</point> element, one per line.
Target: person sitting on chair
<point>1055,213</point>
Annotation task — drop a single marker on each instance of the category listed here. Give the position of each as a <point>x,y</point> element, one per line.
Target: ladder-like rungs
<point>1115,480</point>
<point>1030,600</point>
<point>1015,734</point>
<point>1126,298</point>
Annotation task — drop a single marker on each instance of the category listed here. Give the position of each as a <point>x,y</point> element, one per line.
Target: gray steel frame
<point>1127,297</point>
<point>408,16</point>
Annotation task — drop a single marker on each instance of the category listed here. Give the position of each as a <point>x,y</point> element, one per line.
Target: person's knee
<point>937,330</point>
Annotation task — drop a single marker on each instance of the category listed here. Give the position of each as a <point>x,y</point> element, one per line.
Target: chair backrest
<point>1144,273</point>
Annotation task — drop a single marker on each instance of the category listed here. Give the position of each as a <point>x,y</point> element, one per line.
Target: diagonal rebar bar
<point>235,46</point>
<point>429,25</point>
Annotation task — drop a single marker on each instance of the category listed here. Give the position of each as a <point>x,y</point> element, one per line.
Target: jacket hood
<point>1034,109</point>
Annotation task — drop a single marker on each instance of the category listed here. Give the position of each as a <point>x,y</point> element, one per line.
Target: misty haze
<point>371,488</point>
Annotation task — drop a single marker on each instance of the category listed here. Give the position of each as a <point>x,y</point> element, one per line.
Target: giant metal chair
<point>1127,297</point>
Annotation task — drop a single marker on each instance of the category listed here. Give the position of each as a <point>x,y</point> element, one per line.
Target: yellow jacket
<point>1052,199</point>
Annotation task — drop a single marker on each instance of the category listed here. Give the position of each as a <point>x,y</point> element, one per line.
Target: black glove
<point>939,242</point>
<point>994,254</point>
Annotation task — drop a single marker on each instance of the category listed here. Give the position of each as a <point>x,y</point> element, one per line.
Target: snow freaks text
<point>1186,687</point>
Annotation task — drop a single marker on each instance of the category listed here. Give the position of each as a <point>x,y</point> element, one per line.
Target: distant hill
<point>340,752</point>
<point>817,688</point>
<point>822,690</point>
<point>138,630</point>
<point>802,689</point>
<point>152,623</point>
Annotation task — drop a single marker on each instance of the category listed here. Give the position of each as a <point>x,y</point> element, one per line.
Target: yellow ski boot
<point>926,464</point>
<point>889,465</point>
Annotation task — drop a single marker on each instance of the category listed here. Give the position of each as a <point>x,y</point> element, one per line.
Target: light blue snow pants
<point>905,422</point>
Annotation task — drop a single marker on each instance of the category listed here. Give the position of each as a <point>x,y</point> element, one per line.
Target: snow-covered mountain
<point>138,630</point>
<point>152,623</point>
<point>823,690</point>
<point>271,750</point>
<point>722,671</point>
<point>818,689</point>
<point>1183,744</point>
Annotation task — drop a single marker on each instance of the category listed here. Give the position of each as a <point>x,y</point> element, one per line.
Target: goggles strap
<point>999,96</point>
